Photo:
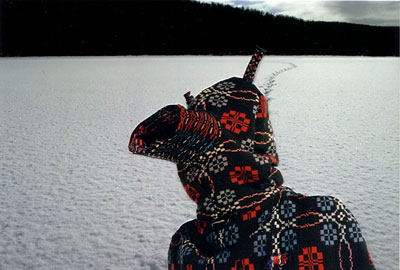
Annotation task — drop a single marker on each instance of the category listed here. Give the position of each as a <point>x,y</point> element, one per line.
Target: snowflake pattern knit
<point>225,151</point>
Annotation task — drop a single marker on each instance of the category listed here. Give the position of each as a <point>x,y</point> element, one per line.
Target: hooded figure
<point>225,152</point>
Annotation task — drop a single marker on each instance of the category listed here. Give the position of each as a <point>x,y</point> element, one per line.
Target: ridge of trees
<point>121,27</point>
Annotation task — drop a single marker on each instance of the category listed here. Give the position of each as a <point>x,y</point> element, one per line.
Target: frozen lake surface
<point>73,197</point>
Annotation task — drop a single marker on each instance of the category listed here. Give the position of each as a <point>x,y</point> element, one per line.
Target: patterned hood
<point>223,145</point>
<point>225,152</point>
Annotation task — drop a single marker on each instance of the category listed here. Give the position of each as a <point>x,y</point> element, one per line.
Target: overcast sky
<point>383,13</point>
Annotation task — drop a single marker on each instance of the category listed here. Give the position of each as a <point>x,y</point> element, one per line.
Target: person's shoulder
<point>324,206</point>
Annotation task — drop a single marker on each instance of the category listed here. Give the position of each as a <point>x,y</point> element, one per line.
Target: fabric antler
<point>253,64</point>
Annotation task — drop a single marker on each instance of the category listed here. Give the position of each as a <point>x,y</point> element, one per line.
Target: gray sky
<point>383,13</point>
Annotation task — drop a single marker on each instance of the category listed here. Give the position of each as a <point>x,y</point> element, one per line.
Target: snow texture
<point>73,197</point>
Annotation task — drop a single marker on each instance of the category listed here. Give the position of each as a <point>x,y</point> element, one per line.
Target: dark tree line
<point>105,27</point>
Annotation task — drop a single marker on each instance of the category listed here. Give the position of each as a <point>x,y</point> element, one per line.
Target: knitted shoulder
<point>327,207</point>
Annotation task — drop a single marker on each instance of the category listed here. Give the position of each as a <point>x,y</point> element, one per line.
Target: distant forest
<point>122,27</point>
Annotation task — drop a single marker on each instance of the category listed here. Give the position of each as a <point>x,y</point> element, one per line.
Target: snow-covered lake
<point>73,197</point>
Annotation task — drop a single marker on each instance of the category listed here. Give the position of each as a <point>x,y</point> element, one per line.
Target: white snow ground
<point>73,197</point>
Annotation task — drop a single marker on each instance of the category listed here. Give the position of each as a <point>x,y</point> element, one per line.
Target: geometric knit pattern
<point>311,239</point>
<point>226,156</point>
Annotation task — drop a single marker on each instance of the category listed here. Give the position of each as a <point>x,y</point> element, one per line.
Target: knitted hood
<point>225,152</point>
<point>223,144</point>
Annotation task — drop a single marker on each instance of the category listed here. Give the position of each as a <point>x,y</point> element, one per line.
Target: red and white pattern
<point>235,121</point>
<point>244,175</point>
